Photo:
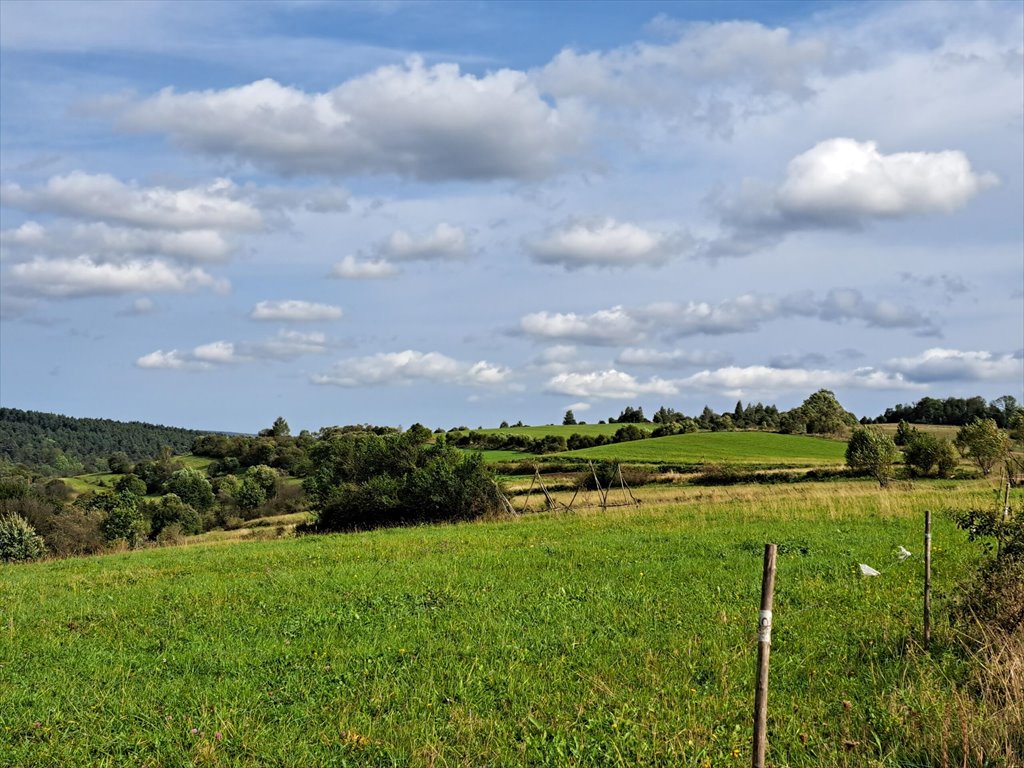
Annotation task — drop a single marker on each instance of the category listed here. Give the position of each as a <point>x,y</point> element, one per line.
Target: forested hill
<point>66,443</point>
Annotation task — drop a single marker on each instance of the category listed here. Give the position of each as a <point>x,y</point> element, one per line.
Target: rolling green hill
<point>37,438</point>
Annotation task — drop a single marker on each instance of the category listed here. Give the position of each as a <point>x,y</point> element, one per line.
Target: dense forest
<point>70,445</point>
<point>952,411</point>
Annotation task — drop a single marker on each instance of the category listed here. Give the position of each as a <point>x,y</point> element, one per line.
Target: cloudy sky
<point>217,213</point>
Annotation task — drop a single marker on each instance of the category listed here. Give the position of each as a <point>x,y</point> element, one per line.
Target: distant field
<point>939,430</point>
<point>749,448</point>
<point>101,482</point>
<point>94,481</point>
<point>195,462</point>
<point>564,431</point>
<point>589,639</point>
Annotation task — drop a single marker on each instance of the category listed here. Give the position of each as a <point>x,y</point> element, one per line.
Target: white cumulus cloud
<point>938,365</point>
<point>606,326</point>
<point>413,120</point>
<point>69,278</point>
<point>102,197</point>
<point>411,365</point>
<point>351,268</point>
<point>603,243</point>
<point>444,242</point>
<point>294,310</point>
<point>610,384</point>
<point>844,179</point>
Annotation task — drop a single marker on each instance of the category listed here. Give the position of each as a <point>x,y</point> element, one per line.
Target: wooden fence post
<point>764,648</point>
<point>927,579</point>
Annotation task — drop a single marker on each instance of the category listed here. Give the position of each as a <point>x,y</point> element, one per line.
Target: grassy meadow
<point>561,430</point>
<point>625,637</point>
<point>740,448</point>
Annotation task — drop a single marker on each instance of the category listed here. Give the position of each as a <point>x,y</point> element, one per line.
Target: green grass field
<point>743,448</point>
<point>564,431</point>
<point>591,639</point>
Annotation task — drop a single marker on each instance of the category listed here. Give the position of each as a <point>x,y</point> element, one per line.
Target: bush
<point>192,487</point>
<point>132,484</point>
<point>629,433</point>
<point>872,451</point>
<point>18,540</point>
<point>171,510</point>
<point>983,442</point>
<point>996,596</point>
<point>124,519</point>
<point>369,481</point>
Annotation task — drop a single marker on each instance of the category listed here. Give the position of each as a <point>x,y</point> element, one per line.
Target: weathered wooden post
<point>764,649</point>
<point>927,579</point>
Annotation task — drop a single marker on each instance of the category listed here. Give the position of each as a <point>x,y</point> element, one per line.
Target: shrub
<point>19,541</point>
<point>67,531</point>
<point>370,481</point>
<point>996,596</point>
<point>124,519</point>
<point>872,451</point>
<point>132,484</point>
<point>192,487</point>
<point>628,433</point>
<point>983,442</point>
<point>171,510</point>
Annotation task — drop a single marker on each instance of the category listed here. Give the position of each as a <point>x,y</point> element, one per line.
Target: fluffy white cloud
<point>444,242</point>
<point>758,379</point>
<point>68,278</point>
<point>607,326</point>
<point>611,384</point>
<point>844,180</point>
<point>410,365</point>
<point>351,268</point>
<point>423,122</point>
<point>294,310</point>
<point>287,345</point>
<point>283,347</point>
<point>159,359</point>
<point>842,183</point>
<point>604,243</point>
<point>676,358</point>
<point>742,314</point>
<point>102,197</point>
<point>938,365</point>
<point>713,74</point>
<point>216,352</point>
<point>101,240</point>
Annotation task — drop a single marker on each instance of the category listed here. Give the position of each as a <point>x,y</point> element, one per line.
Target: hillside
<point>37,438</point>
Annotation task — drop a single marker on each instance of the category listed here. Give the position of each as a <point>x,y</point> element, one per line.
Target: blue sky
<point>458,213</point>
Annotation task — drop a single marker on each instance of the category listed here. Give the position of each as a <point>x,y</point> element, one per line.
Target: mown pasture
<point>766,449</point>
<point>563,430</point>
<point>624,637</point>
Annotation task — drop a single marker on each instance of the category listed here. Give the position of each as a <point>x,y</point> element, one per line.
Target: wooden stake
<point>927,579</point>
<point>764,649</point>
<point>600,492</point>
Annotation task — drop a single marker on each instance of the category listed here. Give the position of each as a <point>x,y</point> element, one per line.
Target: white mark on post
<point>764,627</point>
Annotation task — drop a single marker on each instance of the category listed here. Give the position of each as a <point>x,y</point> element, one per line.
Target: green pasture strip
<point>750,448</point>
<point>195,462</point>
<point>491,456</point>
<point>590,639</point>
<point>94,481</point>
<point>564,431</point>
